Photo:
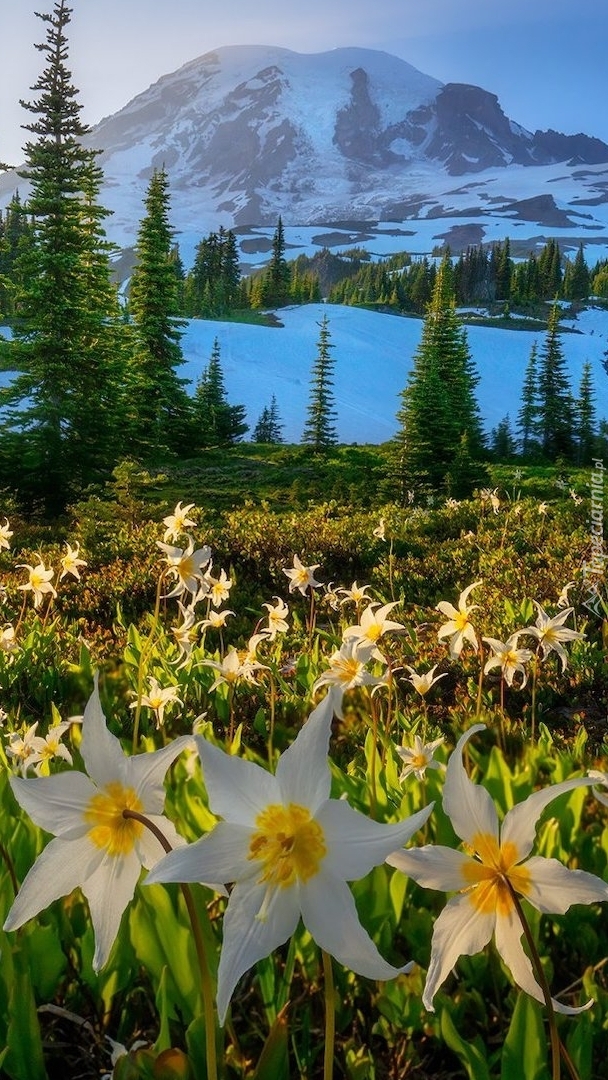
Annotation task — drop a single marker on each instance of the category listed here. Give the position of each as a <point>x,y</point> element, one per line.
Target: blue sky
<point>545,60</point>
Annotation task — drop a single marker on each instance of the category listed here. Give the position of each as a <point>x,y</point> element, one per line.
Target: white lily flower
<point>39,581</point>
<point>508,658</point>
<point>418,758</point>
<point>178,522</point>
<point>371,627</point>
<point>301,577</point>
<point>5,535</point>
<point>94,846</point>
<point>186,565</point>
<point>71,561</point>
<point>459,627</point>
<point>277,619</point>
<point>290,850</point>
<point>423,683</point>
<point>484,905</point>
<point>551,632</point>
<point>346,671</point>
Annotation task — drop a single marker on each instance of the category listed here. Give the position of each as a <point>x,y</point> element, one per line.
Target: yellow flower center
<point>374,631</point>
<point>348,671</point>
<point>109,829</point>
<point>492,876</point>
<point>288,844</point>
<point>419,761</point>
<point>461,619</point>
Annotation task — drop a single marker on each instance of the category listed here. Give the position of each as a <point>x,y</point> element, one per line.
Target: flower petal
<point>55,803</point>
<point>508,943</point>
<point>248,938</point>
<point>222,855</point>
<point>468,805</point>
<point>355,843</point>
<point>303,769</point>
<point>460,930</point>
<point>109,890</point>
<point>434,867</point>
<point>238,790</point>
<point>330,915</point>
<point>61,867</point>
<point>553,887</point>
<point>146,773</point>
<point>519,825</point>
<point>101,751</point>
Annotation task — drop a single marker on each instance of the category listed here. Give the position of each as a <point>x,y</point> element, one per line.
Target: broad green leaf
<point>526,1047</point>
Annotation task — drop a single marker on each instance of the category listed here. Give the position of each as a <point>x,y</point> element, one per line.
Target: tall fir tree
<point>160,406</point>
<point>527,418</point>
<point>439,407</point>
<point>217,422</point>
<point>576,277</point>
<point>63,428</point>
<point>319,429</point>
<point>555,404</point>
<point>586,419</point>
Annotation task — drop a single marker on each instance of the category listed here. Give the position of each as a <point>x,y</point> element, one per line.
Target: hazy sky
<point>545,59</point>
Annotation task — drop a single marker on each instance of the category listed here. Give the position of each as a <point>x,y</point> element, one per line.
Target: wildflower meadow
<point>305,794</point>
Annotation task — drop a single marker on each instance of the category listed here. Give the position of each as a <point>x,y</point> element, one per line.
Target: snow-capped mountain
<point>353,135</point>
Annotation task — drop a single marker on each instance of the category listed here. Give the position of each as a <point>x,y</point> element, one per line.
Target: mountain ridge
<point>248,133</point>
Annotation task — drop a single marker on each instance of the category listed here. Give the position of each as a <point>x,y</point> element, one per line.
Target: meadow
<point>255,670</point>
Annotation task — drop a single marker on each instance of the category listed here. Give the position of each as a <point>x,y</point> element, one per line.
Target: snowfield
<point>373,356</point>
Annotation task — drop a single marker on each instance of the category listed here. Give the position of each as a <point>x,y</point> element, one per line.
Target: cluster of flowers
<point>284,845</point>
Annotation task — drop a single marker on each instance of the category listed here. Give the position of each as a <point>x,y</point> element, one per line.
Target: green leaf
<point>273,1062</point>
<point>24,1058</point>
<point>470,1053</point>
<point>525,1049</point>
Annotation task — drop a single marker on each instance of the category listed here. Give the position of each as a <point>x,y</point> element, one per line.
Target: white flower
<point>551,632</point>
<point>371,627</point>
<point>71,561</point>
<point>301,577</point>
<point>219,588</point>
<point>20,747</point>
<point>418,758</point>
<point>356,593</point>
<point>5,535</point>
<point>178,522</point>
<point>508,658</point>
<point>216,620</point>
<point>380,531</point>
<point>277,619</point>
<point>347,671</point>
<point>483,881</point>
<point>186,566</point>
<point>157,699</point>
<point>95,846</point>
<point>8,643</point>
<point>39,581</point>
<point>49,747</point>
<point>459,629</point>
<point>289,849</point>
<point>185,632</point>
<point>423,683</point>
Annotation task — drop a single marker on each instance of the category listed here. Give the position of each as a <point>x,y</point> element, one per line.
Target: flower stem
<point>206,983</point>
<point>544,985</point>
<point>479,684</point>
<point>330,1017</point>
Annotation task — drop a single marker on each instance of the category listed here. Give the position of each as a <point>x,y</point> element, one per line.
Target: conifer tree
<point>217,422</point>
<point>555,406</point>
<point>502,442</point>
<point>319,429</point>
<point>64,427</point>
<point>438,404</point>
<point>576,277</point>
<point>527,420</point>
<point>160,404</point>
<point>269,427</point>
<point>586,421</point>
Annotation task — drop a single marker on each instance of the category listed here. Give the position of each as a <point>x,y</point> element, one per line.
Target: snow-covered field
<point>373,356</point>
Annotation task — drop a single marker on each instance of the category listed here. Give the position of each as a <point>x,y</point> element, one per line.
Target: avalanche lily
<point>423,683</point>
<point>39,582</point>
<point>551,632</point>
<point>95,846</point>
<point>418,758</point>
<point>289,849</point>
<point>301,577</point>
<point>178,522</point>
<point>486,880</point>
<point>459,628</point>
<point>372,625</point>
<point>71,561</point>
<point>186,565</point>
<point>508,658</point>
